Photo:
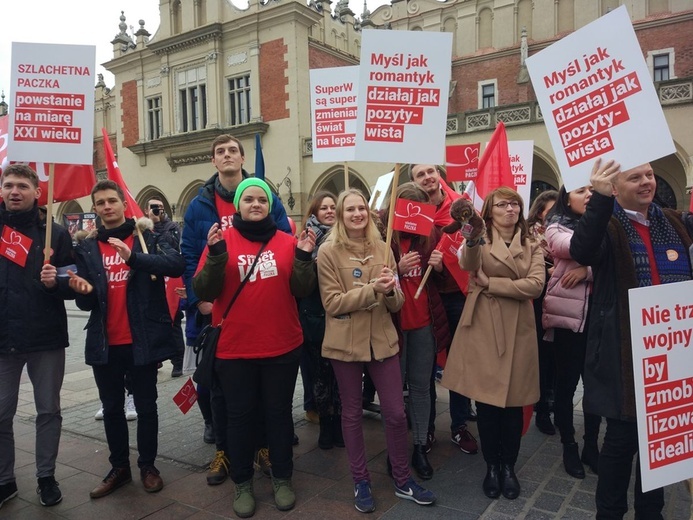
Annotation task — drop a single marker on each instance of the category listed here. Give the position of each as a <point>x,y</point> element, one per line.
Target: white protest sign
<point>379,192</point>
<point>52,117</point>
<point>333,102</point>
<point>521,161</point>
<point>403,89</point>
<point>661,320</point>
<point>598,99</point>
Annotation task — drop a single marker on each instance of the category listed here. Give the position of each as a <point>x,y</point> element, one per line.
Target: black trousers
<point>500,432</point>
<point>110,380</point>
<point>247,384</point>
<point>615,466</point>
<point>569,354</point>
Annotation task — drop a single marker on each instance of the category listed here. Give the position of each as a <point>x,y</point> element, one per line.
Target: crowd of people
<point>528,308</point>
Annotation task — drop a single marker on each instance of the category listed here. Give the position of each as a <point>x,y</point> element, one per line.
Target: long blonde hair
<point>339,232</point>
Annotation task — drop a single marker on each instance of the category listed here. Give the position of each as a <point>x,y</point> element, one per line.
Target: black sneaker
<point>48,491</point>
<point>7,491</point>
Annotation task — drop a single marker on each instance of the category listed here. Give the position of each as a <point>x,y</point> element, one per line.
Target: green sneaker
<point>244,500</point>
<point>284,495</point>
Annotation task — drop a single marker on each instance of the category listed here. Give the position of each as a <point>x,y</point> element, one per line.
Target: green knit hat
<point>247,183</point>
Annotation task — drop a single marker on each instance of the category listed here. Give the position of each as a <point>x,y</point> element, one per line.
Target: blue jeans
<point>46,370</point>
<point>110,380</point>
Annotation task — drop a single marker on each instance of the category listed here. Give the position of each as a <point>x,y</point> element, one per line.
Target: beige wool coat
<point>357,319</point>
<point>493,358</point>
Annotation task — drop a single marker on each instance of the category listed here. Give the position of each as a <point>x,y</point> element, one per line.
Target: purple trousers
<point>388,383</point>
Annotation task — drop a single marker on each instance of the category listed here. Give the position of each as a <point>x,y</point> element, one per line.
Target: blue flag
<point>259,159</point>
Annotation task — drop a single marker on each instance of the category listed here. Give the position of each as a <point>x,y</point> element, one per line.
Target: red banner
<point>413,217</point>
<point>72,181</point>
<point>186,396</point>
<point>462,162</point>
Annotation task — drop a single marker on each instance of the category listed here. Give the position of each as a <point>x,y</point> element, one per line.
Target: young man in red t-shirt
<point>129,330</point>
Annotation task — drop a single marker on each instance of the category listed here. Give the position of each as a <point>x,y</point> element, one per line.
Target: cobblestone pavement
<point>321,477</point>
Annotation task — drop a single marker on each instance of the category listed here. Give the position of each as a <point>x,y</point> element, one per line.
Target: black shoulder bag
<point>205,347</point>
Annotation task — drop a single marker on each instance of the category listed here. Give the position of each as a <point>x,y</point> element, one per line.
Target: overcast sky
<point>85,22</point>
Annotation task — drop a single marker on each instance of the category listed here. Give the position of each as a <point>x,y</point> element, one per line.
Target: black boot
<point>419,461</point>
<point>326,439</point>
<point>543,422</point>
<point>590,456</point>
<point>337,436</point>
<point>510,486</point>
<point>491,485</point>
<point>571,461</point>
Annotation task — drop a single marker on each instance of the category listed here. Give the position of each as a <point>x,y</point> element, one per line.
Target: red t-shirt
<point>117,272</point>
<point>263,321</point>
<point>226,211</point>
<point>414,313</point>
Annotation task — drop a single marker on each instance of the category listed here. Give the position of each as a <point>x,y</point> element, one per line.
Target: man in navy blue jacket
<point>214,204</point>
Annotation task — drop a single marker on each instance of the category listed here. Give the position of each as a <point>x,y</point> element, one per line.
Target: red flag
<point>72,181</point>
<point>462,162</point>
<point>494,168</point>
<point>132,210</point>
<point>186,396</point>
<point>690,204</point>
<point>448,245</point>
<point>172,298</point>
<point>413,217</point>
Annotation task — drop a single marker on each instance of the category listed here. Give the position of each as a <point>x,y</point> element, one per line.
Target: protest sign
<point>414,217</point>
<point>333,103</point>
<point>661,320</point>
<point>72,180</point>
<point>521,161</point>
<point>462,162</point>
<point>404,80</point>
<point>52,119</point>
<point>598,99</point>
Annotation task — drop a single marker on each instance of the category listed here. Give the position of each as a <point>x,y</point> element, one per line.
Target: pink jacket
<point>564,308</point>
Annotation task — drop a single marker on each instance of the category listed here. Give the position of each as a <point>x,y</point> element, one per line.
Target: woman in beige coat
<point>359,290</point>
<point>493,358</point>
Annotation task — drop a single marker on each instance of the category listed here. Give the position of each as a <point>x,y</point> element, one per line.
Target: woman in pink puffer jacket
<point>564,317</point>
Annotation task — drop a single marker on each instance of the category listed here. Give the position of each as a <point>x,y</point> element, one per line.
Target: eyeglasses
<point>503,204</point>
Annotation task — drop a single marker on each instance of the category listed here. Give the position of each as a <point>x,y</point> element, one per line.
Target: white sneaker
<point>99,415</point>
<point>130,411</point>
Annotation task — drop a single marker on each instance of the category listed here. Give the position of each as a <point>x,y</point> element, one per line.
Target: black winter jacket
<point>600,242</point>
<point>34,317</point>
<point>150,320</point>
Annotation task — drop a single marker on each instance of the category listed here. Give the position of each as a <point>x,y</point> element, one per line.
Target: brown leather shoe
<point>150,479</point>
<point>116,478</point>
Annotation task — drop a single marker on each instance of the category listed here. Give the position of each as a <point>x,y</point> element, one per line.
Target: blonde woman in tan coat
<point>493,358</point>
<point>359,289</point>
